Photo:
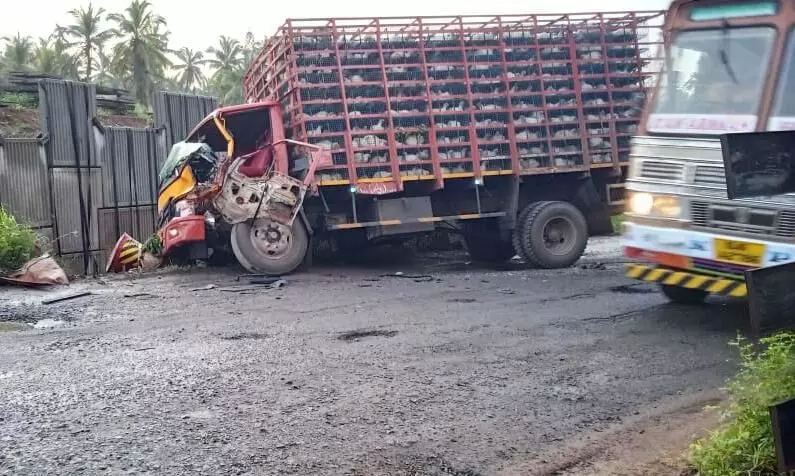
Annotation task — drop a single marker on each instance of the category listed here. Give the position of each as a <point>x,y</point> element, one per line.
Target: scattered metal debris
<point>246,336</point>
<point>67,297</point>
<point>205,288</point>
<point>360,334</point>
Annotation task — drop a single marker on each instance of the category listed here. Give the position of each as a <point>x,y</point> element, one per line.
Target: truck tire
<point>266,247</point>
<point>681,295</point>
<point>485,243</point>
<point>551,234</point>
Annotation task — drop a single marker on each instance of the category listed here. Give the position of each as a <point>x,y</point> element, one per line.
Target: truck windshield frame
<point>714,89</point>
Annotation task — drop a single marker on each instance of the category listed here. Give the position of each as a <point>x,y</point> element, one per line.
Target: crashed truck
<point>516,131</point>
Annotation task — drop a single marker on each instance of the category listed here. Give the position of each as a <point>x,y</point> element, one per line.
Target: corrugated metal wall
<point>177,114</point>
<point>66,110</point>
<point>113,169</point>
<point>24,188</point>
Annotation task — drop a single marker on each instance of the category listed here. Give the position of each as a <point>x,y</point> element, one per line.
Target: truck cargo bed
<point>432,99</point>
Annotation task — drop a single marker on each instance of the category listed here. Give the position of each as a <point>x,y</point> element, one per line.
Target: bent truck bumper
<point>182,231</point>
<point>691,259</point>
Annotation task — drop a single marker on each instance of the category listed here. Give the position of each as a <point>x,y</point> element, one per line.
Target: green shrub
<point>17,243</point>
<point>744,445</point>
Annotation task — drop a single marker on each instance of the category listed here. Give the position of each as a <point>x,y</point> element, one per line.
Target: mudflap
<point>771,298</point>
<point>597,213</point>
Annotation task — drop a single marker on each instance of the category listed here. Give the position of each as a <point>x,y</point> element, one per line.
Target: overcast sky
<point>197,23</point>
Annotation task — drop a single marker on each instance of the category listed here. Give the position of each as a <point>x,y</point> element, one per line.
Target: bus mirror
<point>759,164</point>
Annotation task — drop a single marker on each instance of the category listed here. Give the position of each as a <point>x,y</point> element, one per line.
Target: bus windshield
<point>713,81</point>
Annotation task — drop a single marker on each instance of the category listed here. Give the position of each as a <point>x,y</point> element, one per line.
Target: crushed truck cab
<point>236,178</point>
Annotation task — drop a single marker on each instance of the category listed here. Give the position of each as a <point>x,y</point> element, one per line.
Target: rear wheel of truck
<point>267,247</point>
<point>684,295</point>
<point>485,243</point>
<point>551,234</point>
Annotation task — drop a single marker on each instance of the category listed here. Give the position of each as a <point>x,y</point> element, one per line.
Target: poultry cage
<point>432,98</point>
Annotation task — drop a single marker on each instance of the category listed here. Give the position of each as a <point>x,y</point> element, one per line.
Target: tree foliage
<point>130,49</point>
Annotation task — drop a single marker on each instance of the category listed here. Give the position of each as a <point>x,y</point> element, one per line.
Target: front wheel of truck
<point>267,247</point>
<point>681,295</point>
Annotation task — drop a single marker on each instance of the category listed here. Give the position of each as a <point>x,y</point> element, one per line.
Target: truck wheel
<point>551,234</point>
<point>684,295</point>
<point>484,242</point>
<point>267,247</point>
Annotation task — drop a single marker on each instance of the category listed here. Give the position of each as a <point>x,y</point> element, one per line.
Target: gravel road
<point>444,369</point>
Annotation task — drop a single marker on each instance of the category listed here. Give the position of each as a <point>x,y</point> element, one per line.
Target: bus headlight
<point>665,206</point>
<point>641,203</point>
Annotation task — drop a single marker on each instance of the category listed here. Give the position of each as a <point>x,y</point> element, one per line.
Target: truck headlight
<point>665,206</point>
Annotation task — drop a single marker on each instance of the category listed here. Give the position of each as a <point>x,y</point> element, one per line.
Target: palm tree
<point>140,56</point>
<point>51,57</point>
<point>87,35</point>
<point>18,53</point>
<point>104,74</point>
<point>226,57</point>
<point>189,70</point>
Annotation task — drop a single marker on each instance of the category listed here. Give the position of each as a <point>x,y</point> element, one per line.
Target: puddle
<point>48,324</point>
<point>356,335</point>
<point>13,326</point>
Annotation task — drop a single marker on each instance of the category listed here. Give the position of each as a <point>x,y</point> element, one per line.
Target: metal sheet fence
<point>177,114</point>
<point>85,184</point>
<point>24,188</point>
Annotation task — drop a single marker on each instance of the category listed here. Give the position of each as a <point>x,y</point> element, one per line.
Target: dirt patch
<point>353,336</point>
<point>19,122</point>
<point>653,443</point>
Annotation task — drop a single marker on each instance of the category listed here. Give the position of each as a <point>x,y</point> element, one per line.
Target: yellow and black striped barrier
<point>710,284</point>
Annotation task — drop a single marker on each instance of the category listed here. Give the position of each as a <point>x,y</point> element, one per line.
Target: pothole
<point>640,288</point>
<point>361,334</point>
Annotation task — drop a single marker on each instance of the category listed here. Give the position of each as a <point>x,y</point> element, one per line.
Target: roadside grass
<point>618,222</point>
<point>17,243</point>
<point>744,444</point>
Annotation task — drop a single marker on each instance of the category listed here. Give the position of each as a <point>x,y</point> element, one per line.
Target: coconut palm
<point>52,57</point>
<point>189,70</point>
<point>87,35</point>
<point>18,53</point>
<point>140,56</point>
<point>226,56</point>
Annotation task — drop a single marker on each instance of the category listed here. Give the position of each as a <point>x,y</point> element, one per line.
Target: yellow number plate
<point>739,252</point>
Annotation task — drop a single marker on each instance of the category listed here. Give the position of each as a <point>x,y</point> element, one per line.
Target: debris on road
<point>209,287</point>
<point>67,297</point>
<point>418,278</point>
<point>41,271</point>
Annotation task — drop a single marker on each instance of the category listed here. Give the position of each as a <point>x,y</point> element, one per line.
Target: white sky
<point>197,23</point>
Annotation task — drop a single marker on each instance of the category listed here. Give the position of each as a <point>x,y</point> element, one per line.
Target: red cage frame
<point>554,56</point>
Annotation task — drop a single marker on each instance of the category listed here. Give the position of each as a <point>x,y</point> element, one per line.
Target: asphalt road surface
<point>444,369</point>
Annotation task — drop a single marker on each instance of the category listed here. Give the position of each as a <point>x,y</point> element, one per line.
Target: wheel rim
<point>270,239</point>
<point>559,236</point>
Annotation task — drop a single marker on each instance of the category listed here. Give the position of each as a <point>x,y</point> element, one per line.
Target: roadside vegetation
<point>17,243</point>
<point>130,49</point>
<point>744,445</point>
